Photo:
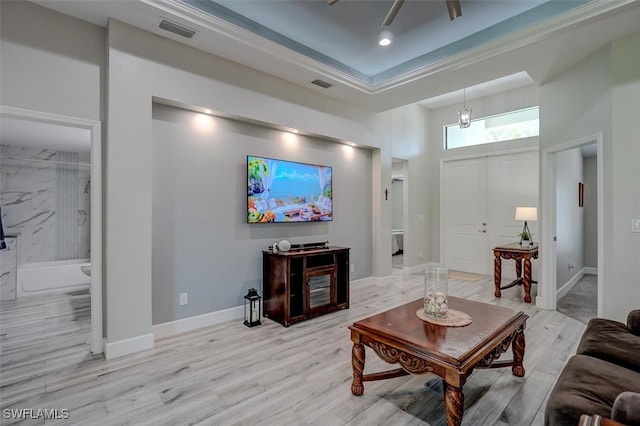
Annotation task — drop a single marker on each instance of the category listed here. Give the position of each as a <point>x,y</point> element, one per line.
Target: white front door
<point>480,196</point>
<point>465,225</point>
<point>512,181</point>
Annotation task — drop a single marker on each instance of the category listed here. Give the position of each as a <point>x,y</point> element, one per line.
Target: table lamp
<point>526,214</point>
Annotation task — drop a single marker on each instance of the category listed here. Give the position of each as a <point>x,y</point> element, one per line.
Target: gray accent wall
<point>202,243</point>
<point>144,67</point>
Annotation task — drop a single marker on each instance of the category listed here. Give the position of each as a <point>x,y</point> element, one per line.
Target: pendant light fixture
<point>464,115</point>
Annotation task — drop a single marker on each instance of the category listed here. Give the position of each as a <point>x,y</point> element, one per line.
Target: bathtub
<point>52,277</point>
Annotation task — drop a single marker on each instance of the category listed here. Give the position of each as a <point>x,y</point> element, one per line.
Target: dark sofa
<point>603,378</point>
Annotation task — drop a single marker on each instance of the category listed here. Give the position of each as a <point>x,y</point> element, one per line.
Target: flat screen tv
<point>286,191</point>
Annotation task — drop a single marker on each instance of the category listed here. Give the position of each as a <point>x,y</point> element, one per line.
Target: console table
<point>301,284</point>
<point>518,253</point>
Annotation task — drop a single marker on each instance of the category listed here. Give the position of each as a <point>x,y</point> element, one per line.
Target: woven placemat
<point>454,318</point>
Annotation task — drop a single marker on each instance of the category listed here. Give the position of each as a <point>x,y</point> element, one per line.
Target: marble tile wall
<point>8,269</point>
<point>31,186</point>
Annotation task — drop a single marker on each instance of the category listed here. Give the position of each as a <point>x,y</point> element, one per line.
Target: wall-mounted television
<point>287,191</point>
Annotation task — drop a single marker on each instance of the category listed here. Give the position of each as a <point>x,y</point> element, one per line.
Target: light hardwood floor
<point>268,375</point>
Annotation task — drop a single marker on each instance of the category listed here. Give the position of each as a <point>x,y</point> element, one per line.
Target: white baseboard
<point>540,303</point>
<point>199,321</point>
<point>128,346</point>
<point>413,269</point>
<point>569,284</point>
<point>362,282</point>
<point>382,280</point>
<point>590,271</point>
<point>371,280</point>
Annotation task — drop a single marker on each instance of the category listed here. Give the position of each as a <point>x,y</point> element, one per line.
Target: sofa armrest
<point>626,408</point>
<point>596,420</point>
<point>633,321</point>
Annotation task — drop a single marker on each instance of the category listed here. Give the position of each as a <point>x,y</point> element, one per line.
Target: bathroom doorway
<point>51,207</point>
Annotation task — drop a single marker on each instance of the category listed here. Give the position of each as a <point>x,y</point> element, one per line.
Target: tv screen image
<point>287,191</point>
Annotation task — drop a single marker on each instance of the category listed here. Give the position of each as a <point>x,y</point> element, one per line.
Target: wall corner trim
<point>194,323</point>
<point>128,346</point>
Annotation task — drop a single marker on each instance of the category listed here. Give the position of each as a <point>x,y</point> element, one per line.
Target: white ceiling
<point>496,45</point>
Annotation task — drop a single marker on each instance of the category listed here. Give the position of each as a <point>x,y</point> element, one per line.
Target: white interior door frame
<point>95,127</point>
<point>547,288</point>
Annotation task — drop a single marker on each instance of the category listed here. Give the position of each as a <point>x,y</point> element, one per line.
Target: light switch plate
<point>635,225</point>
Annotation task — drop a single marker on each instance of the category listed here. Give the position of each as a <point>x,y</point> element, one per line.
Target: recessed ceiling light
<point>352,143</point>
<point>385,39</point>
<point>295,130</point>
<point>207,111</point>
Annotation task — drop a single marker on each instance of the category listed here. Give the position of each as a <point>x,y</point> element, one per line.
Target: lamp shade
<point>527,213</point>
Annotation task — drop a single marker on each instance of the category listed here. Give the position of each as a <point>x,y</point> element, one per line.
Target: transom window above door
<point>524,123</point>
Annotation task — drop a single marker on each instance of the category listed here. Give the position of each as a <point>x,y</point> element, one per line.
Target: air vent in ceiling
<point>322,84</point>
<point>178,29</point>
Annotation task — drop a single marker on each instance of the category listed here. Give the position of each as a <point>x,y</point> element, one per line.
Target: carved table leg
<point>453,404</point>
<point>527,280</point>
<point>518,346</point>
<point>518,268</point>
<point>497,275</point>
<point>357,362</point>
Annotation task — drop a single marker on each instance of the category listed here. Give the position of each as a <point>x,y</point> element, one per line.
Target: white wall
<point>570,217</point>
<point>143,66</point>
<point>590,212</point>
<point>408,127</point>
<point>397,200</point>
<point>623,267</point>
<point>491,105</point>
<point>50,62</point>
<point>600,95</point>
<point>202,243</point>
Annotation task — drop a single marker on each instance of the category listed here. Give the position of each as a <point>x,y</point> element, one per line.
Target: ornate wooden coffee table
<point>399,336</point>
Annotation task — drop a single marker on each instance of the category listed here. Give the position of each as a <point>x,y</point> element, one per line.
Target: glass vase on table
<point>436,286</point>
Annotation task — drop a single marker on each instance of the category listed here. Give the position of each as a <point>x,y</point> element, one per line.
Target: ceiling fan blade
<point>454,8</point>
<point>397,4</point>
<point>330,2</point>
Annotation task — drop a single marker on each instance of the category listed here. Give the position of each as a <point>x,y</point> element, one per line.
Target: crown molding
<point>506,44</point>
<point>290,59</point>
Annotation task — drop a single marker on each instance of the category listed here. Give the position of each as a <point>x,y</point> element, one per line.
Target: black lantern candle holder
<point>252,308</point>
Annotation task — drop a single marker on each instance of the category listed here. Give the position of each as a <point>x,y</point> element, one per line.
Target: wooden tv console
<point>304,283</point>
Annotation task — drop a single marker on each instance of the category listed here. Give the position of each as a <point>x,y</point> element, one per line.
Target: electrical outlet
<point>635,225</point>
<point>572,264</point>
<point>184,298</point>
<point>353,267</point>
<point>420,255</point>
